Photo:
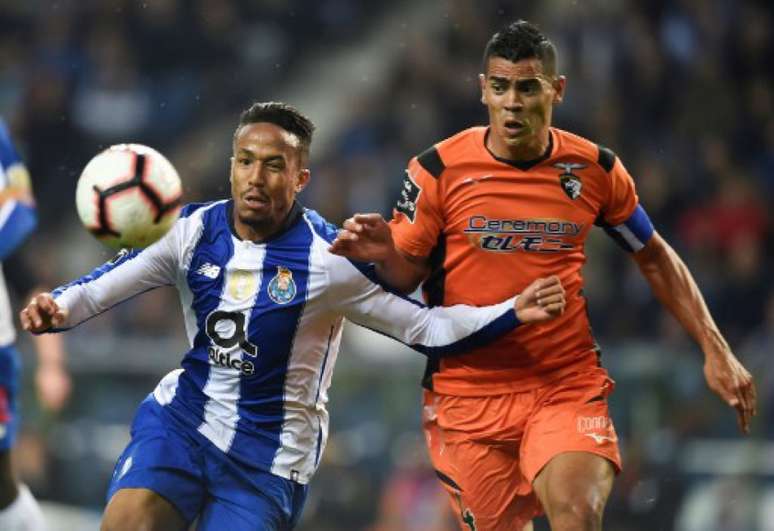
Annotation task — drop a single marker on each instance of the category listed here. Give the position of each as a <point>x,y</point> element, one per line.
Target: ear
<point>559,85</point>
<point>302,179</point>
<point>482,84</point>
<point>231,170</point>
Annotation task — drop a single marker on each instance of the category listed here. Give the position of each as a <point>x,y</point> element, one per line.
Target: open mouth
<point>514,127</point>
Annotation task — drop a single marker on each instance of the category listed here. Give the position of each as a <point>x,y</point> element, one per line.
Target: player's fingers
<point>556,308</point>
<point>368,219</point>
<point>754,397</point>
<point>347,235</point>
<point>552,289</point>
<point>46,303</point>
<point>352,225</point>
<point>26,323</point>
<point>550,299</point>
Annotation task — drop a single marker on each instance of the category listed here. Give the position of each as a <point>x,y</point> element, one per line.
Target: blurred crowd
<point>681,90</point>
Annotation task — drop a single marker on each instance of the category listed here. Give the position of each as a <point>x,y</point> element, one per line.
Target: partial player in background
<point>18,509</point>
<point>522,427</point>
<point>233,437</point>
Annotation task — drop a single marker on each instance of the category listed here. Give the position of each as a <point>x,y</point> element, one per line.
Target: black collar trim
<point>523,165</point>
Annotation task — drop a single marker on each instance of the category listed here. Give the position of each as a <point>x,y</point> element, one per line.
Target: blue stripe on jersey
<point>214,248</point>
<point>505,323</point>
<point>190,208</point>
<point>124,255</point>
<point>18,225</point>
<point>272,327</point>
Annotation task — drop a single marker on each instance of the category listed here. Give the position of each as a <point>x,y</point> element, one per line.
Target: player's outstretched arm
<point>675,288</point>
<point>367,238</point>
<point>540,301</point>
<point>42,313</point>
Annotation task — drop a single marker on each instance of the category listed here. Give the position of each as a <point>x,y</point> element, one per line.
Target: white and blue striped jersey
<point>17,221</point>
<point>264,322</point>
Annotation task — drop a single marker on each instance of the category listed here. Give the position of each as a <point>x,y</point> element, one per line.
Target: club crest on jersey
<point>409,194</point>
<point>282,287</point>
<point>571,183</point>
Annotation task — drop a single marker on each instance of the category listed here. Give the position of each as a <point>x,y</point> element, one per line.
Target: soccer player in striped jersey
<point>521,426</point>
<point>234,436</point>
<point>18,509</point>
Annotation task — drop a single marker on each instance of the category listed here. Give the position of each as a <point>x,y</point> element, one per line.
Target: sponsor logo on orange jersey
<point>532,235</point>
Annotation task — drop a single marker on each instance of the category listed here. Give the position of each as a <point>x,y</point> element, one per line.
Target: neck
<point>531,149</point>
<point>263,230</point>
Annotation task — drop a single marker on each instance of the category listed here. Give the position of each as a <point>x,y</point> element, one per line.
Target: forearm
<point>400,272</point>
<point>674,286</point>
<point>50,350</point>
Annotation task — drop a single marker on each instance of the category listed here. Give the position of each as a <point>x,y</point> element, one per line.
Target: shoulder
<point>570,144</point>
<point>451,151</point>
<point>320,226</point>
<point>189,209</point>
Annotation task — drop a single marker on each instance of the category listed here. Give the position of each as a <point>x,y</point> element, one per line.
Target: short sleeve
<point>622,200</point>
<point>417,217</point>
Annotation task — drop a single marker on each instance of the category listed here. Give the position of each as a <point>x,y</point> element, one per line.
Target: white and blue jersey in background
<point>264,323</point>
<point>17,221</point>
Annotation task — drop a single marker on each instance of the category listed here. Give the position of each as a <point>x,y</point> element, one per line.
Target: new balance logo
<point>209,270</point>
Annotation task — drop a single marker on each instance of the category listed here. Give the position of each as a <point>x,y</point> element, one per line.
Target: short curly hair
<point>283,115</point>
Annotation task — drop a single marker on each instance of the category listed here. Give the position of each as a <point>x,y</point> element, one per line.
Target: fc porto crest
<point>571,183</point>
<point>282,287</point>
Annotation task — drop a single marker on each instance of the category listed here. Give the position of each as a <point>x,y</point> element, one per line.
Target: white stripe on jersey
<point>166,388</point>
<point>223,387</point>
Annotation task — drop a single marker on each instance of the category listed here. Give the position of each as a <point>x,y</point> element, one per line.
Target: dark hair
<point>521,40</point>
<point>285,116</point>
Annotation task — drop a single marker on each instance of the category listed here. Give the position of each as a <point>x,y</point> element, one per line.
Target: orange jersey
<point>490,227</point>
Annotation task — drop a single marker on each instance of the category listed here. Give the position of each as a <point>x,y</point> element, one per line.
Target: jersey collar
<point>523,165</point>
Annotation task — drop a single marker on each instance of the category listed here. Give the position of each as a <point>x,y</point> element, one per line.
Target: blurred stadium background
<point>681,90</point>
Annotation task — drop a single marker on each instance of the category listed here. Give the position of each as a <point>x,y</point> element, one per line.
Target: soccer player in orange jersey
<point>521,427</point>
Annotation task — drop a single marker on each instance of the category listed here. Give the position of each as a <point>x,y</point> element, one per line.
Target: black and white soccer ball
<point>128,196</point>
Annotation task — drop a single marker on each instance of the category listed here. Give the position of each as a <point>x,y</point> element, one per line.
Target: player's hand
<point>54,385</point>
<point>364,237</point>
<point>540,301</point>
<point>733,383</point>
<point>42,313</point>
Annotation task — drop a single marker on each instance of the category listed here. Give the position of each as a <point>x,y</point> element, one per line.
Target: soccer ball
<point>128,196</point>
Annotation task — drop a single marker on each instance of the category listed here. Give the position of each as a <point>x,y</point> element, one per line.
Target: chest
<point>549,208</point>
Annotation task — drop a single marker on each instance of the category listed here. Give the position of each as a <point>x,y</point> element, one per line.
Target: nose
<point>255,178</point>
<point>513,100</point>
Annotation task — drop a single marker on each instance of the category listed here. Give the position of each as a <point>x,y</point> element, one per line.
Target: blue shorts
<point>200,480</point>
<point>10,366</point>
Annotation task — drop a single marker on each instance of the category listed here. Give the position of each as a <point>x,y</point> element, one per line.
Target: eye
<point>499,88</point>
<point>244,161</point>
<point>529,87</point>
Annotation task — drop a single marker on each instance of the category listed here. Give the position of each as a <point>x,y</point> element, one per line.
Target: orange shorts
<point>487,450</point>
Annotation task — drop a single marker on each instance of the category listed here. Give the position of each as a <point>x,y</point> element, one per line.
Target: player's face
<point>520,98</point>
<point>266,175</point>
